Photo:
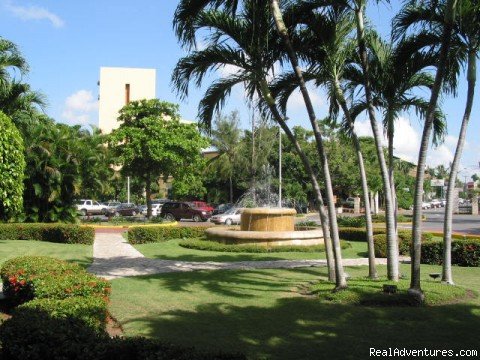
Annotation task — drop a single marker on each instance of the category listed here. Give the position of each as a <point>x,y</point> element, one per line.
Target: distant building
<point>117,87</point>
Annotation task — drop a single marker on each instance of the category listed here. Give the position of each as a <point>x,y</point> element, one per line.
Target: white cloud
<point>79,106</point>
<point>296,102</point>
<point>406,143</point>
<point>32,12</point>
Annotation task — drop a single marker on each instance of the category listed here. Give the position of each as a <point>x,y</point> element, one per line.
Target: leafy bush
<point>149,234</point>
<point>359,221</point>
<point>36,334</point>
<point>28,277</point>
<point>91,310</point>
<point>464,252</point>
<point>245,248</point>
<point>405,239</point>
<point>356,234</point>
<point>57,233</point>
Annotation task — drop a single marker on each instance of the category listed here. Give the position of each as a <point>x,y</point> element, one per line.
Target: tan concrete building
<point>117,87</point>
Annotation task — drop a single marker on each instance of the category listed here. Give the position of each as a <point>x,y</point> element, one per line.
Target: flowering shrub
<point>465,252</point>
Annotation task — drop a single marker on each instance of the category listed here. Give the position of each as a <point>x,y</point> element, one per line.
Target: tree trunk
<point>340,280</point>
<point>267,97</point>
<point>415,288</point>
<point>392,245</point>
<point>148,195</point>
<point>372,271</point>
<point>390,135</point>
<point>231,188</point>
<point>447,226</point>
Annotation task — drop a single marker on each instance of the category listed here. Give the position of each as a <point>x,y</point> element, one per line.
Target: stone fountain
<point>265,224</point>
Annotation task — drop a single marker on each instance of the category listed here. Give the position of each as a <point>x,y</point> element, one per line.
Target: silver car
<point>230,217</point>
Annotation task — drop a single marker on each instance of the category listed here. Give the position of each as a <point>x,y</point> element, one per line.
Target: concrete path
<point>114,258</point>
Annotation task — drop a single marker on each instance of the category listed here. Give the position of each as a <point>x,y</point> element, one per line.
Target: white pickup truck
<point>90,207</point>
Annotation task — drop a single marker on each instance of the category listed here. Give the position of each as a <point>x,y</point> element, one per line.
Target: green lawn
<point>81,254</point>
<point>263,314</point>
<point>170,250</point>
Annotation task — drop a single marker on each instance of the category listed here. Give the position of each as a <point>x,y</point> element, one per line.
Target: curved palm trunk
<point>415,288</point>
<point>392,244</point>
<point>340,280</point>
<point>372,271</point>
<point>447,225</point>
<point>267,97</point>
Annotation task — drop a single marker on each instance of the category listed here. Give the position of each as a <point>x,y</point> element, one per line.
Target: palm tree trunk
<point>447,226</point>
<point>390,135</point>
<point>415,288</point>
<point>392,245</point>
<point>372,271</point>
<point>267,97</point>
<point>340,280</point>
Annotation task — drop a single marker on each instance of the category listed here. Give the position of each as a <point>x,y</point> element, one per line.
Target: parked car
<point>176,210</point>
<point>125,209</point>
<point>109,205</point>
<point>89,207</point>
<point>426,205</point>
<point>222,208</point>
<point>202,205</point>
<point>160,201</point>
<point>349,202</point>
<point>230,217</point>
<point>155,209</point>
<point>435,203</point>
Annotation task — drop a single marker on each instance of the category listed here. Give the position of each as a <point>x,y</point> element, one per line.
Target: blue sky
<point>66,43</point>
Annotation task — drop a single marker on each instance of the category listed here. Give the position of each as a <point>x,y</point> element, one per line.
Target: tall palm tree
<point>292,55</point>
<point>327,50</point>
<point>10,60</point>
<point>449,15</point>
<point>253,48</point>
<point>465,43</point>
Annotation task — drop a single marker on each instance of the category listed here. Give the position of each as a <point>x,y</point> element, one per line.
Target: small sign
<point>437,182</point>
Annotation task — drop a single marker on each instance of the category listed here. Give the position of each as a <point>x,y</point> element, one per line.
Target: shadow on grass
<point>230,257</point>
<point>230,312</point>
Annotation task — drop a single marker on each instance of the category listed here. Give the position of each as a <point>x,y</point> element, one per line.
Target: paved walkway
<point>114,257</point>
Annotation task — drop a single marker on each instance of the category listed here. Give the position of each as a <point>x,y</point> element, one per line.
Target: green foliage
<point>149,234</point>
<point>151,142</point>
<point>29,277</point>
<point>359,221</point>
<point>370,293</point>
<point>404,243</point>
<point>12,167</point>
<point>356,234</point>
<point>464,252</point>
<point>91,310</point>
<point>245,248</point>
<point>58,233</point>
<point>33,333</point>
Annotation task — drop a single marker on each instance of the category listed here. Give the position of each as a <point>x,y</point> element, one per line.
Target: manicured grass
<point>81,254</point>
<point>170,250</point>
<point>263,314</point>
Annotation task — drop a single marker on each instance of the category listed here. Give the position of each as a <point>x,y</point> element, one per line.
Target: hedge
<point>246,248</point>
<point>151,234</point>
<point>359,221</point>
<point>57,233</point>
<point>464,252</point>
<point>405,239</point>
<point>29,277</point>
<point>35,334</point>
<point>357,234</point>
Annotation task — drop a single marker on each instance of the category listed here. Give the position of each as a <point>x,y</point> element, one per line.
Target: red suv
<point>175,210</point>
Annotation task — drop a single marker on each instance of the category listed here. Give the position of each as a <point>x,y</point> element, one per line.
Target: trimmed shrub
<point>464,252</point>
<point>91,310</point>
<point>357,234</point>
<point>359,221</point>
<point>35,334</point>
<point>57,233</point>
<point>404,242</point>
<point>28,277</point>
<point>245,248</point>
<point>151,234</point>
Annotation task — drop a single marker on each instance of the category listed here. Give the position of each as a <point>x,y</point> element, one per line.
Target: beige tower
<point>119,86</point>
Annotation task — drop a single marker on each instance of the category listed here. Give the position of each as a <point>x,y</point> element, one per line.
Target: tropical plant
<point>12,166</point>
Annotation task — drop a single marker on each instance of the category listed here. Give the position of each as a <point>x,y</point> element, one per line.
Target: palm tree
<point>253,49</point>
<point>328,49</point>
<point>449,14</point>
<point>283,31</point>
<point>466,44</point>
<point>226,138</point>
<point>10,60</point>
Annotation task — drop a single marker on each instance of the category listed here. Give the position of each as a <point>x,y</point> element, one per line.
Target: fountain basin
<point>268,219</point>
<point>229,235</point>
